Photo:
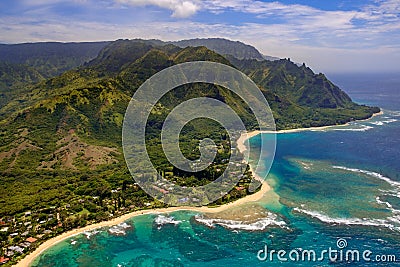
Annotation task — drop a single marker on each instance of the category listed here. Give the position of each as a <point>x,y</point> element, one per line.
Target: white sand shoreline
<point>51,242</point>
<point>249,135</point>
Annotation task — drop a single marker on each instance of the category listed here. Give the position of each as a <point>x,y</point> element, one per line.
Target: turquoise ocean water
<point>338,188</point>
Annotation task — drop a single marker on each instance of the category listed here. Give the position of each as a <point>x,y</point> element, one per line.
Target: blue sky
<point>328,35</point>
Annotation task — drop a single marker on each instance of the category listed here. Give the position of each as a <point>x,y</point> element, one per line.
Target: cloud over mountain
<point>180,8</point>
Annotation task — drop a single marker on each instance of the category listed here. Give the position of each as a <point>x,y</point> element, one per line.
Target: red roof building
<point>31,240</point>
<point>4,260</point>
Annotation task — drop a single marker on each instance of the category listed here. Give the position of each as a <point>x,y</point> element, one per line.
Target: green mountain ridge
<point>50,58</point>
<point>300,98</point>
<point>13,78</point>
<point>53,58</point>
<point>224,47</point>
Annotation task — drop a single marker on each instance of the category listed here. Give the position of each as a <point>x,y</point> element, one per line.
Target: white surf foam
<point>116,231</point>
<point>395,218</point>
<point>363,128</point>
<point>124,225</point>
<point>383,122</point>
<point>396,213</point>
<point>390,121</point>
<point>260,225</point>
<point>378,123</point>
<point>393,113</point>
<point>388,222</point>
<point>370,173</point>
<point>119,229</point>
<point>162,220</point>
<point>89,234</point>
<point>392,193</point>
<point>352,221</point>
<point>379,201</point>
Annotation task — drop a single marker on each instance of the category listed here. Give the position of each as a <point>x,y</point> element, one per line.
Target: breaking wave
<point>260,225</point>
<point>387,204</point>
<point>89,234</point>
<point>387,223</point>
<point>392,222</point>
<point>370,173</point>
<point>393,113</point>
<point>383,122</point>
<point>162,220</point>
<point>362,129</point>
<point>119,229</point>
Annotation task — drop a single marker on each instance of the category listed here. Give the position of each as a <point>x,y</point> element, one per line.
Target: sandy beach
<point>49,243</point>
<point>241,142</point>
<point>245,136</point>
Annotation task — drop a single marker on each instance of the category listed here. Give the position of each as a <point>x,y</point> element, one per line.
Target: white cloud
<point>258,7</point>
<point>388,7</point>
<point>301,23</point>
<point>180,8</point>
<point>380,13</point>
<point>185,9</point>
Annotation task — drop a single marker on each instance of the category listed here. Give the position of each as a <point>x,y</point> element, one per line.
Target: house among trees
<point>31,240</point>
<point>4,260</point>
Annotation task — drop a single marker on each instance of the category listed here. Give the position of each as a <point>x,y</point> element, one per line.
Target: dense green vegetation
<point>22,65</point>
<point>50,59</point>
<point>14,78</point>
<point>221,46</point>
<point>298,97</point>
<point>61,160</point>
<point>237,49</point>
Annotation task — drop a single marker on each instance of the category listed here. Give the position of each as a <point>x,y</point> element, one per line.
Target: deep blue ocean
<point>336,190</point>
